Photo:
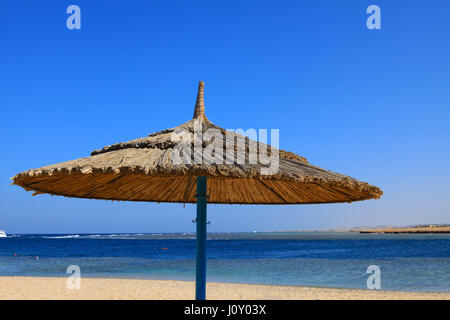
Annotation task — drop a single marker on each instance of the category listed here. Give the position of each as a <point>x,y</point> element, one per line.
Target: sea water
<point>321,259</point>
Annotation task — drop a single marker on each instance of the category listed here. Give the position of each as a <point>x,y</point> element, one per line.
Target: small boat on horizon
<point>3,234</point>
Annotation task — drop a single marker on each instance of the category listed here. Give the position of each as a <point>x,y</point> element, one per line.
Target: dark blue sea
<point>321,259</point>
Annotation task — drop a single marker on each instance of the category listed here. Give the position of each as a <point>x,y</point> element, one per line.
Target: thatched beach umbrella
<point>196,162</point>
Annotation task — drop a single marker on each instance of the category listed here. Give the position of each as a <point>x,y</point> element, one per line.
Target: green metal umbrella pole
<point>143,170</point>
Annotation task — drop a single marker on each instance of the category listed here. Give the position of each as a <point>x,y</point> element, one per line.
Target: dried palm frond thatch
<point>144,170</point>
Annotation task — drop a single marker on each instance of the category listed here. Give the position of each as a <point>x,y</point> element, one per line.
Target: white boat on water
<point>2,234</point>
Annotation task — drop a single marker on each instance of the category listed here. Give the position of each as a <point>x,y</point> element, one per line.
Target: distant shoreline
<point>429,230</point>
<point>418,229</point>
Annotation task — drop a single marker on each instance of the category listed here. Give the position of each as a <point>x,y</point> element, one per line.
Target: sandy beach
<point>56,288</point>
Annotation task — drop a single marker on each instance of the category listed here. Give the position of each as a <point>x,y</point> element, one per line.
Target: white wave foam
<point>63,237</point>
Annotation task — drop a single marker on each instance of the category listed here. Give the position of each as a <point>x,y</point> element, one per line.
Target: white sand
<point>56,288</point>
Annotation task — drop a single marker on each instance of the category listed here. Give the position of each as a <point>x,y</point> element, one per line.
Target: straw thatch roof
<point>144,170</point>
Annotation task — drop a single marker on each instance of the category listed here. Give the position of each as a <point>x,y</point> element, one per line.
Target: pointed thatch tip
<point>199,112</point>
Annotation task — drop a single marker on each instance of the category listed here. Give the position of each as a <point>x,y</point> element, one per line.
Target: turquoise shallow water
<point>407,262</point>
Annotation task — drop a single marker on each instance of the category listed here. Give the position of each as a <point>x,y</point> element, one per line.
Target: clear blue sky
<point>372,104</point>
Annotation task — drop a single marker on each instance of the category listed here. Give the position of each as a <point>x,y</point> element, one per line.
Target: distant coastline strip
<point>408,230</point>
